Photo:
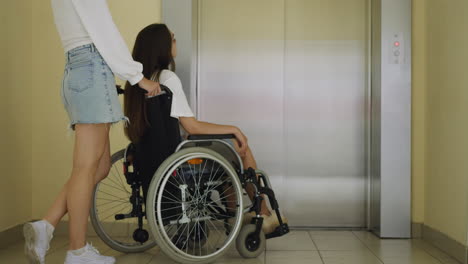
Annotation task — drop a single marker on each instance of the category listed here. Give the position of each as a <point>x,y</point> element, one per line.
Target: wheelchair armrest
<point>205,137</point>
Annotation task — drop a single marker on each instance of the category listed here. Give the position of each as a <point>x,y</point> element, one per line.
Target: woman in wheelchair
<point>193,189</point>
<point>156,48</point>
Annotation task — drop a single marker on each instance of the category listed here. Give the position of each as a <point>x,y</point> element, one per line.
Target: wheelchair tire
<point>196,205</point>
<point>247,244</point>
<point>117,235</point>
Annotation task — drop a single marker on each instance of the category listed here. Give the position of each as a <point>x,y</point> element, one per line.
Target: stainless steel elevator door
<point>292,75</point>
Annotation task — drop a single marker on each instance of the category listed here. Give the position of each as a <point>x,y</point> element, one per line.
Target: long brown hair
<point>153,49</point>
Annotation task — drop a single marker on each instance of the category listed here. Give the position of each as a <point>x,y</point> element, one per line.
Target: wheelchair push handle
<point>164,90</point>
<point>119,89</point>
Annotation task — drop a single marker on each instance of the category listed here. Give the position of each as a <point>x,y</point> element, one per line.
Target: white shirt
<point>81,22</point>
<point>180,106</point>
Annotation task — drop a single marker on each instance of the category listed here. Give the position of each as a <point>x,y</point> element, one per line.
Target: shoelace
<point>92,248</point>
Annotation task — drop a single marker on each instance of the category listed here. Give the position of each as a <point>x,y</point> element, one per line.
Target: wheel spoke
<point>209,186</point>
<point>120,179</point>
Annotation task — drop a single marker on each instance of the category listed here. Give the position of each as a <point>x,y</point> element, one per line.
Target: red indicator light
<point>397,44</point>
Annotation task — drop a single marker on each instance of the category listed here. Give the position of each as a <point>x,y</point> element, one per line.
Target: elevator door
<point>292,75</point>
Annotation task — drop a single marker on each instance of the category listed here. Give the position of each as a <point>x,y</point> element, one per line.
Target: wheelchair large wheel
<point>195,192</point>
<point>111,201</point>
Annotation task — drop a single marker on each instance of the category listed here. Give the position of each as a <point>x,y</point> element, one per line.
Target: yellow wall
<point>447,118</point>
<point>440,116</point>
<point>15,109</point>
<point>51,147</point>
<point>419,109</point>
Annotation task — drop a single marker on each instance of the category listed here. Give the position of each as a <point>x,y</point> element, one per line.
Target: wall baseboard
<point>416,230</point>
<point>450,246</point>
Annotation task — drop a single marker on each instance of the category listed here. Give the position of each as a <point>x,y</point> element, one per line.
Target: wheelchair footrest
<point>279,231</point>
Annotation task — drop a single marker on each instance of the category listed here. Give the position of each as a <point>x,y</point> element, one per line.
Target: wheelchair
<point>192,207</point>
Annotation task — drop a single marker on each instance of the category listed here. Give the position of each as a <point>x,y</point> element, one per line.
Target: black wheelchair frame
<point>261,185</point>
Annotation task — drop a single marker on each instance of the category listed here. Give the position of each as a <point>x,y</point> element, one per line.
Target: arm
<point>180,109</point>
<point>97,20</point>
<point>193,126</point>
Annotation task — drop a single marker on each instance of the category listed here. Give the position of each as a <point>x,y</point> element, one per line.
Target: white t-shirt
<point>180,106</point>
<point>81,22</point>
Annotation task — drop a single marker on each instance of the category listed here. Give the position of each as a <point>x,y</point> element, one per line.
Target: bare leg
<point>90,142</point>
<point>59,207</point>
<point>248,161</point>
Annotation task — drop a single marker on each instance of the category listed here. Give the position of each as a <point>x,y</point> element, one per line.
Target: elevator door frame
<point>387,215</point>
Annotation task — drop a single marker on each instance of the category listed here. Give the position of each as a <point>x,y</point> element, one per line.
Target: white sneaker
<point>37,236</point>
<point>89,256</point>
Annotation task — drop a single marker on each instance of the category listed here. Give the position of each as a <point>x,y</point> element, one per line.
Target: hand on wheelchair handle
<point>151,87</point>
<point>242,140</point>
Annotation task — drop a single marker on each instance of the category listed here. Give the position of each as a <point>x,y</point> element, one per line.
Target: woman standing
<point>94,52</point>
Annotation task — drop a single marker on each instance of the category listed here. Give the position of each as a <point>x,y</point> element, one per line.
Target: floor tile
<point>233,257</point>
<point>349,257</point>
<point>366,237</point>
<point>331,234</point>
<point>161,258</point>
<point>450,261</point>
<point>57,257</point>
<point>15,247</point>
<point>295,240</point>
<point>347,242</point>
<point>134,258</point>
<point>293,257</point>
<point>395,248</point>
<point>58,242</point>
<point>415,258</point>
<point>15,252</point>
<point>153,251</point>
<point>298,247</point>
<point>12,256</point>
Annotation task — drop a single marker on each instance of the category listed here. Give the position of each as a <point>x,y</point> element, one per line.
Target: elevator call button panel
<point>397,49</point>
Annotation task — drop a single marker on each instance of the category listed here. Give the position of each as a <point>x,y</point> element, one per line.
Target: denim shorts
<point>88,89</point>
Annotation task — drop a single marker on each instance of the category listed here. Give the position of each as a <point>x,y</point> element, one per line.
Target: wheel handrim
<point>196,213</point>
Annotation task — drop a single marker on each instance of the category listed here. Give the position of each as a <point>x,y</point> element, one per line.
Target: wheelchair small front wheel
<point>248,244</point>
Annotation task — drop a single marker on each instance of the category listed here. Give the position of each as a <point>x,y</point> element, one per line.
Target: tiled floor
<point>298,247</point>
